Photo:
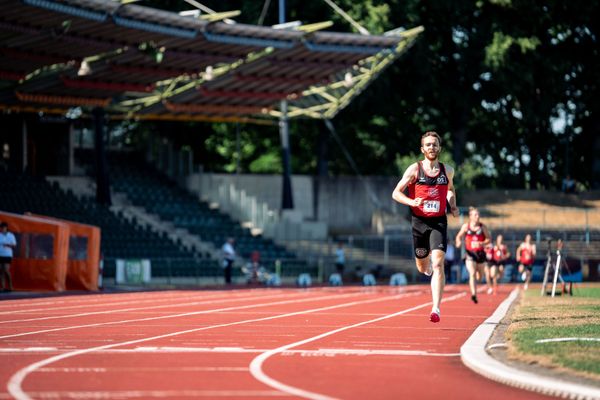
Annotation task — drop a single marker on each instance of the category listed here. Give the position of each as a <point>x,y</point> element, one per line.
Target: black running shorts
<point>429,234</point>
<point>477,256</point>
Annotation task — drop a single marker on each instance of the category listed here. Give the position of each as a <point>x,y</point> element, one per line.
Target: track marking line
<point>241,350</point>
<point>304,299</point>
<point>108,304</point>
<point>147,394</point>
<point>568,339</point>
<point>318,352</point>
<point>98,299</point>
<point>16,380</point>
<point>256,364</point>
<point>27,349</point>
<point>194,303</point>
<point>143,369</point>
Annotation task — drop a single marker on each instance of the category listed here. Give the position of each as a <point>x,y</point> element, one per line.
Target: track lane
<point>14,385</point>
<point>387,359</point>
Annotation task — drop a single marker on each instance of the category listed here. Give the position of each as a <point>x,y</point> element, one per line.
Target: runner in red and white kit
<point>526,256</point>
<point>499,256</point>
<point>476,237</point>
<point>430,187</point>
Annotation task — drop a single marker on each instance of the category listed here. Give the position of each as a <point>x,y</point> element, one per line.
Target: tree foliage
<point>512,85</point>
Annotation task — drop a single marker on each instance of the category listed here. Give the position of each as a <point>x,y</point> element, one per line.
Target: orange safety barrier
<point>40,259</point>
<point>84,255</point>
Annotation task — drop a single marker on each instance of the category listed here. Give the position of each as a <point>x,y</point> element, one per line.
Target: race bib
<point>432,206</point>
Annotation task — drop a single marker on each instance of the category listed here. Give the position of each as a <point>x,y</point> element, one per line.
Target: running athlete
<point>526,256</point>
<point>476,237</point>
<point>499,257</point>
<point>430,187</point>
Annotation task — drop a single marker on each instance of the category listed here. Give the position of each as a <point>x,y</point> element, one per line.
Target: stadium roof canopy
<point>139,62</point>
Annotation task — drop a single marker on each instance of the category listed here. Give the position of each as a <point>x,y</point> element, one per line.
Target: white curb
<point>475,357</point>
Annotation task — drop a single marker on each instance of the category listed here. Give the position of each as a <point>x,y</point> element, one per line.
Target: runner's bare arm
<point>451,192</point>
<point>460,234</point>
<point>408,177</point>
<point>486,233</point>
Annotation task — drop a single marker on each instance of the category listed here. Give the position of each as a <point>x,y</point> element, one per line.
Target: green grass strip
<point>543,317</point>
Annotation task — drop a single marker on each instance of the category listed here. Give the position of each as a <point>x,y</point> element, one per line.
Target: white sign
<point>133,271</point>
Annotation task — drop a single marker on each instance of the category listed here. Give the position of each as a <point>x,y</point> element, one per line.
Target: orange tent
<point>84,255</point>
<point>40,259</point>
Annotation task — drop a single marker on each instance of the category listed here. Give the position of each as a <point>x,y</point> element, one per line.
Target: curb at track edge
<point>473,354</point>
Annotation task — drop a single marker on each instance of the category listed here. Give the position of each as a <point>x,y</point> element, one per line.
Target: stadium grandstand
<point>153,202</point>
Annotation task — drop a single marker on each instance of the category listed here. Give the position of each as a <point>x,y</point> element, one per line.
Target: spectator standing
<point>340,259</point>
<point>7,243</point>
<point>228,259</point>
<point>568,184</point>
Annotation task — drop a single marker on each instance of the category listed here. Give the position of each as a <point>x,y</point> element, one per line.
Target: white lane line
<point>214,310</point>
<point>90,305</point>
<point>16,380</point>
<point>112,304</point>
<point>101,298</point>
<point>226,299</point>
<point>318,352</point>
<point>27,349</point>
<point>568,339</point>
<point>475,357</point>
<point>256,364</point>
<point>95,370</point>
<point>240,350</point>
<point>152,394</point>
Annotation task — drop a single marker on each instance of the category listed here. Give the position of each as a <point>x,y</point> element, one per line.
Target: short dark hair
<point>3,224</point>
<point>434,134</point>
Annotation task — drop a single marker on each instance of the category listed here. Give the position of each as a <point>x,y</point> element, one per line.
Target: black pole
<point>287,199</point>
<point>102,181</point>
<point>322,168</point>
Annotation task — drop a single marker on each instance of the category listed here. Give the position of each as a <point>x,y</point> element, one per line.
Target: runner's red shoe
<point>434,316</point>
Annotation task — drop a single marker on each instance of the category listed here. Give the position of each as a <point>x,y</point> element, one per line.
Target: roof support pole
<point>287,199</point>
<point>102,182</point>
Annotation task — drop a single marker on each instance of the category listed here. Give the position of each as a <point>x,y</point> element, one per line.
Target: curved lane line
<point>256,364</point>
<point>16,380</point>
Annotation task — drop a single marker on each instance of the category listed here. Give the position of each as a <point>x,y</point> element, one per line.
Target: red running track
<point>318,343</point>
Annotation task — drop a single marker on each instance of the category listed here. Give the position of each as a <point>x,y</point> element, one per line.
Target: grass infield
<point>574,319</point>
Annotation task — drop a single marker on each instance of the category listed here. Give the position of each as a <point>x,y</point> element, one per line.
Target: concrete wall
<point>345,203</point>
